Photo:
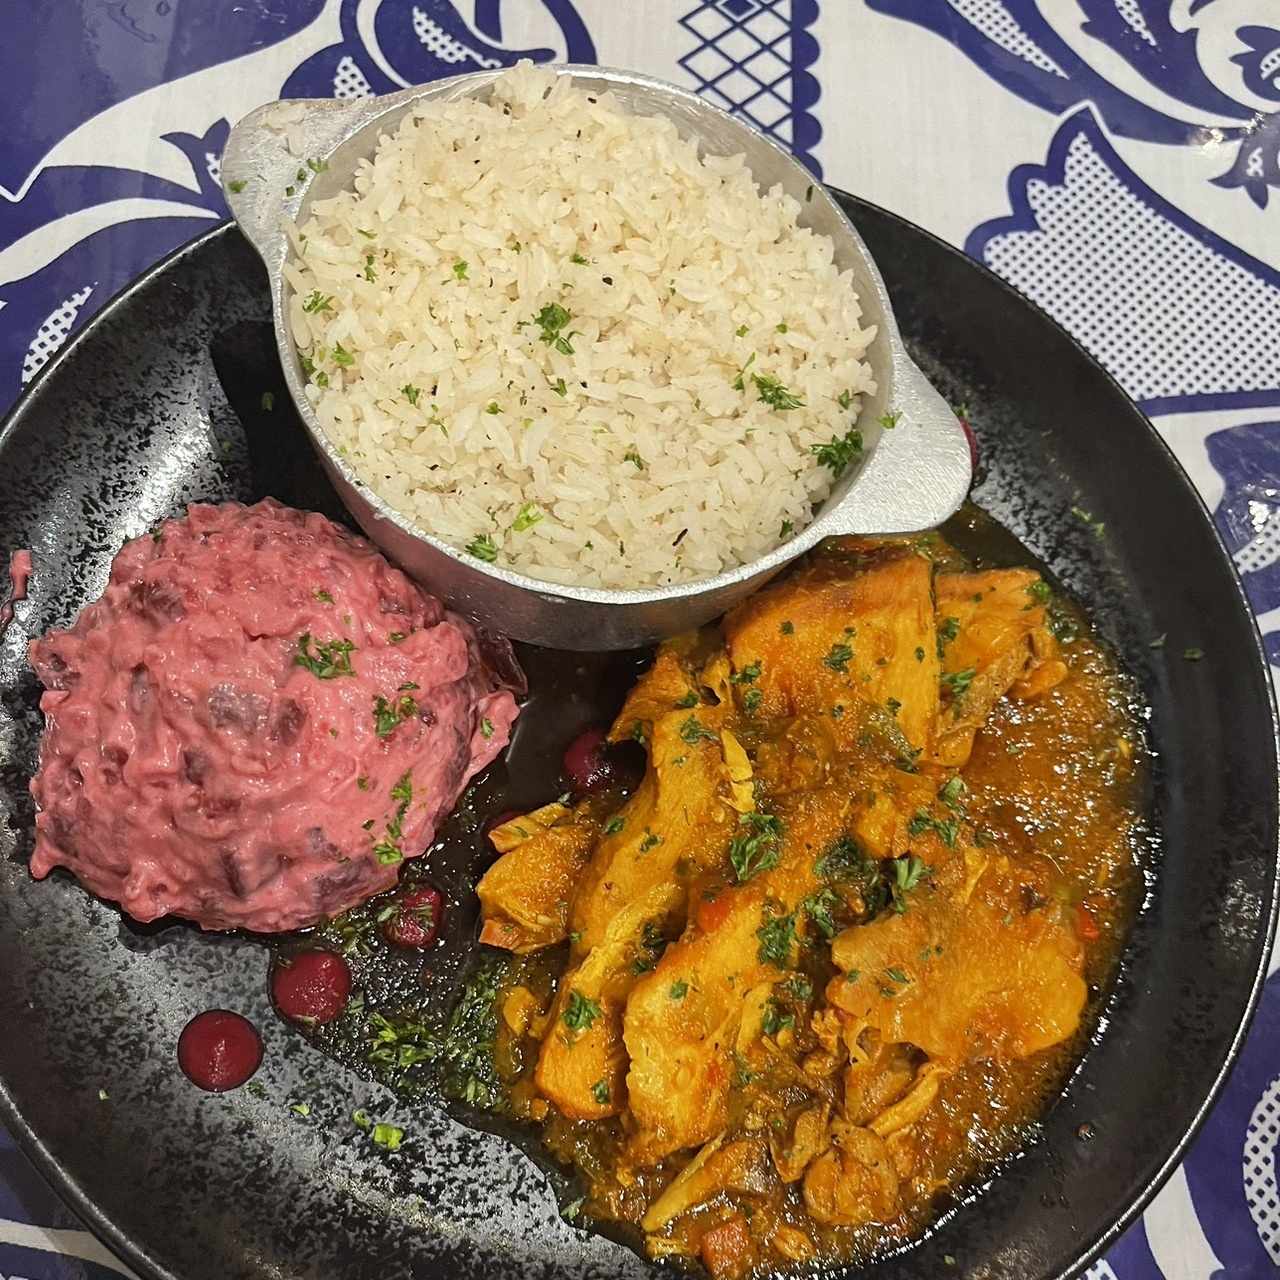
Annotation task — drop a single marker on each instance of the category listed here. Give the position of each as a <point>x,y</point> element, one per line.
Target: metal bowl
<point>910,478</point>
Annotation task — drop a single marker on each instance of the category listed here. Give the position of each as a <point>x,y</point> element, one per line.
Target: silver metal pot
<point>910,478</point>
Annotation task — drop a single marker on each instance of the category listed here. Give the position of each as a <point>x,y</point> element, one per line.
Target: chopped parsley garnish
<point>839,452</point>
<point>411,393</point>
<point>1193,655</point>
<point>752,700</point>
<point>844,399</point>
<point>388,853</point>
<point>838,657</point>
<point>578,260</point>
<point>786,529</point>
<point>369,273</point>
<point>317,301</point>
<point>388,715</point>
<point>919,654</point>
<point>580,1012</point>
<point>341,356</point>
<point>650,841</point>
<point>362,782</point>
<point>908,873</point>
<point>775,1019</point>
<point>302,1109</point>
<point>748,673</point>
<point>317,166</point>
<point>403,791</point>
<point>781,327</point>
<point>1098,526</point>
<point>755,849</point>
<point>388,1136</point>
<point>819,907</point>
<point>552,320</point>
<point>460,270</point>
<point>895,974</point>
<point>948,629</point>
<point>328,661</point>
<point>1039,592</point>
<point>236,186</point>
<point>690,699</point>
<point>614,825</point>
<point>268,401</point>
<point>394,637</point>
<point>776,936</point>
<point>788,628</point>
<point>774,394</point>
<point>958,682</point>
<point>893,706</point>
<point>493,408</point>
<point>679,989</point>
<point>528,515</point>
<point>600,1092</point>
<point>952,792</point>
<point>889,420</point>
<point>486,728</point>
<point>693,730</point>
<point>741,331</point>
<point>559,387</point>
<point>483,548</point>
<point>632,456</point>
<point>322,595</point>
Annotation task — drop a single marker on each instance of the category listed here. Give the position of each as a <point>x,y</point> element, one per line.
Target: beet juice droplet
<point>219,1050</point>
<point>312,986</point>
<point>585,762</point>
<point>415,922</point>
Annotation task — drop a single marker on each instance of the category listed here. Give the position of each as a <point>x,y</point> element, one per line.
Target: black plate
<point>143,413</point>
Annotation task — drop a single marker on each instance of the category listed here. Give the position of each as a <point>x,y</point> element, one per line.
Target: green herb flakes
<point>755,849</point>
<point>600,1092</point>
<point>678,989</point>
<point>580,1012</point>
<point>774,394</point>
<point>838,657</point>
<point>552,321</point>
<point>528,515</point>
<point>839,453</point>
<point>693,730</point>
<point>268,401</point>
<point>483,548</point>
<point>411,393</point>
<point>776,936</point>
<point>388,1136</point>
<point>460,270</point>
<point>957,682</point>
<point>325,661</point>
<point>614,825</point>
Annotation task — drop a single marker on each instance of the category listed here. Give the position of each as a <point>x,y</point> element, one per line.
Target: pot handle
<point>919,470</point>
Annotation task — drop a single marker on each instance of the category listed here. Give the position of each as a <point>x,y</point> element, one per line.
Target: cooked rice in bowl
<point>553,335</point>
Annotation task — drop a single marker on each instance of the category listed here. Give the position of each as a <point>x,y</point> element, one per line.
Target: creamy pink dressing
<point>190,766</point>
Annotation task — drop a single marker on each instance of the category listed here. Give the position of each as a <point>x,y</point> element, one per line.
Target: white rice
<point>643,456</point>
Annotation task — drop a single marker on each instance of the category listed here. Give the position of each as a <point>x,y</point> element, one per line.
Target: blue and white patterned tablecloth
<point>1117,160</point>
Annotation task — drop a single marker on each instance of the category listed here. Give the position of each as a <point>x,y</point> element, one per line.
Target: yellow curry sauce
<point>834,953</point>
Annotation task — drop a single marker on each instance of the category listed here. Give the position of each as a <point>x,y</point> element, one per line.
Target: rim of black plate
<point>137,1255</point>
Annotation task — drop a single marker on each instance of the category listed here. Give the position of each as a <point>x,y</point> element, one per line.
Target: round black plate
<point>159,402</point>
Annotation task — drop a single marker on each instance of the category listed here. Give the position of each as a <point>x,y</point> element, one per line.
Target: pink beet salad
<point>258,722</point>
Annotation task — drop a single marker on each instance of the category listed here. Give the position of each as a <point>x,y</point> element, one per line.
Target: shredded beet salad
<point>258,722</point>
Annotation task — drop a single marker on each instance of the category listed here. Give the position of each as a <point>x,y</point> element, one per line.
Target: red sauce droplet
<point>586,763</point>
<point>219,1050</point>
<point>416,919</point>
<point>312,986</point>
